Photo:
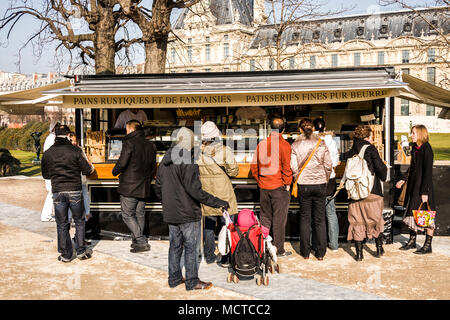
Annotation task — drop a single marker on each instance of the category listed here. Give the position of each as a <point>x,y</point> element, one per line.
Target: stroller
<point>251,251</point>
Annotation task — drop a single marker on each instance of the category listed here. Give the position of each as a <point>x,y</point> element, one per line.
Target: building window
<point>225,37</point>
<point>252,65</point>
<point>357,59</point>
<point>334,60</point>
<point>189,53</point>
<point>430,110</point>
<point>173,55</point>
<point>431,75</point>
<point>226,50</point>
<point>189,70</point>
<point>207,70</point>
<point>207,39</point>
<point>312,62</point>
<point>380,58</point>
<point>189,40</point>
<point>226,69</point>
<point>404,107</point>
<point>405,70</point>
<point>431,55</point>
<point>405,56</point>
<point>271,63</point>
<point>208,52</point>
<point>291,63</point>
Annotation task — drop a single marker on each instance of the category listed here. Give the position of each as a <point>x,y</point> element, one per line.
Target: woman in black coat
<point>419,188</point>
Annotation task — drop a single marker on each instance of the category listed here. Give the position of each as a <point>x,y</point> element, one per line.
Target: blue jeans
<point>184,236</point>
<point>333,224</point>
<point>62,201</point>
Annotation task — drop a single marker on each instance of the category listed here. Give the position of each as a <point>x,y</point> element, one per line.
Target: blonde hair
<point>422,133</point>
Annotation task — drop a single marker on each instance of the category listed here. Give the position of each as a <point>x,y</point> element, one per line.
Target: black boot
<point>426,248</point>
<point>379,244</point>
<point>359,250</point>
<point>411,244</point>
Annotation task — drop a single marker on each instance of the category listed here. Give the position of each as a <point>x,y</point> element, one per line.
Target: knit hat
<point>210,131</point>
<point>184,138</point>
<point>246,218</point>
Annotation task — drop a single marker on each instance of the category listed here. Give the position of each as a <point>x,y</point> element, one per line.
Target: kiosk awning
<point>287,87</point>
<point>30,101</point>
<point>423,92</point>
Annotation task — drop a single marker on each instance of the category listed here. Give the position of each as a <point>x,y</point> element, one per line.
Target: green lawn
<point>440,142</point>
<point>26,167</point>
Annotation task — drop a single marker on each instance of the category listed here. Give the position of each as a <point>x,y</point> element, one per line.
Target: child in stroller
<point>251,248</point>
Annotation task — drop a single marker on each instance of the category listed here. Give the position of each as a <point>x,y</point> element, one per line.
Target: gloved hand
<point>224,205</point>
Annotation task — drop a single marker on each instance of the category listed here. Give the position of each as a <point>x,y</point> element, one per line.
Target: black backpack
<point>245,258</point>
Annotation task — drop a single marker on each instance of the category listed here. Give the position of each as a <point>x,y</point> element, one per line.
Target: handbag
<point>401,198</point>
<point>424,218</point>
<point>295,186</point>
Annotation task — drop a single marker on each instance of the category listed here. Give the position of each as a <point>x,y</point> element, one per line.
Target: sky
<point>29,64</point>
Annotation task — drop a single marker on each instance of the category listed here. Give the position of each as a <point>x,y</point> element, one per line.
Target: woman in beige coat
<point>216,164</point>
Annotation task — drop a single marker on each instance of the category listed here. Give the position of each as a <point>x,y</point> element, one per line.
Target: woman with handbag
<point>365,216</point>
<point>312,166</point>
<point>419,188</point>
<point>216,164</point>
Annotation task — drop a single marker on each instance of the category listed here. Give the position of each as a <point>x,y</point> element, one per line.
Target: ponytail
<point>306,125</point>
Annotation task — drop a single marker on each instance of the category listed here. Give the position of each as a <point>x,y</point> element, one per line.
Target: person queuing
<point>272,171</point>
<point>365,216</point>
<point>311,164</point>
<point>86,199</point>
<point>136,166</point>
<point>48,211</point>
<point>179,188</point>
<point>130,114</point>
<point>63,164</point>
<point>330,207</point>
<point>419,188</point>
<point>216,164</point>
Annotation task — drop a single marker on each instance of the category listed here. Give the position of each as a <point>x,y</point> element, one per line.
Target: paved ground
<point>29,269</point>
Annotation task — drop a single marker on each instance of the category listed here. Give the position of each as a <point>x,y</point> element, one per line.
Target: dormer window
<point>384,29</point>
<point>338,33</point>
<point>316,34</point>
<point>360,31</point>
<point>407,27</point>
<point>434,26</point>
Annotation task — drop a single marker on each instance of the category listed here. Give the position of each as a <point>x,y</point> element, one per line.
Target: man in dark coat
<point>179,188</point>
<point>136,166</point>
<point>63,164</point>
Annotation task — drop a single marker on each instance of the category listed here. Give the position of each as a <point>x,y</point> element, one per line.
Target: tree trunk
<point>155,55</point>
<point>104,43</point>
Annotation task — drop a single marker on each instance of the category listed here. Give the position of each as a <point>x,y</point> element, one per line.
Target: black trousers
<point>274,211</point>
<point>312,208</point>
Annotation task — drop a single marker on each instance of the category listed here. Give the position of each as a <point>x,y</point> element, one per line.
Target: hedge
<point>20,139</point>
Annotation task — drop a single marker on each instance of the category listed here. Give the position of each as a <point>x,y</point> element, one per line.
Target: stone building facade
<point>221,36</point>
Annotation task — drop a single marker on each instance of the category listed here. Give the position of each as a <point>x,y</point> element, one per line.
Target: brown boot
<point>203,285</point>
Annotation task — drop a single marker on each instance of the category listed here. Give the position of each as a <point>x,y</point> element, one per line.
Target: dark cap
<point>62,130</point>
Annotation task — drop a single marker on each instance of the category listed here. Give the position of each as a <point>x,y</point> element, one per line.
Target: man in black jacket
<point>179,188</point>
<point>63,164</point>
<point>136,166</point>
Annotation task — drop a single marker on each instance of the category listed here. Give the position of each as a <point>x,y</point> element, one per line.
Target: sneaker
<point>138,249</point>
<point>65,260</point>
<point>284,254</point>
<point>87,254</point>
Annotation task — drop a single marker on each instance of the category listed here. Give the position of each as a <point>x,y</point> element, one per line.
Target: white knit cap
<point>210,131</point>
<point>184,138</point>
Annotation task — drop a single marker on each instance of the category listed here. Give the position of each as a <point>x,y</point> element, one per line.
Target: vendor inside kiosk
<point>241,104</point>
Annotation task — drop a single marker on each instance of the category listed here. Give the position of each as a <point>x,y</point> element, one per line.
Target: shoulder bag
<point>295,186</point>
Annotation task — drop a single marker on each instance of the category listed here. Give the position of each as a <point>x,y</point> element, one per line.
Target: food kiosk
<point>241,104</point>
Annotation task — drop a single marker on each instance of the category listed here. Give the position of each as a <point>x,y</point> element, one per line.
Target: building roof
<point>363,27</point>
<point>225,11</point>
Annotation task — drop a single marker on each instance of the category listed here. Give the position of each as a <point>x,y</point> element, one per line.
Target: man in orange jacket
<point>271,167</point>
